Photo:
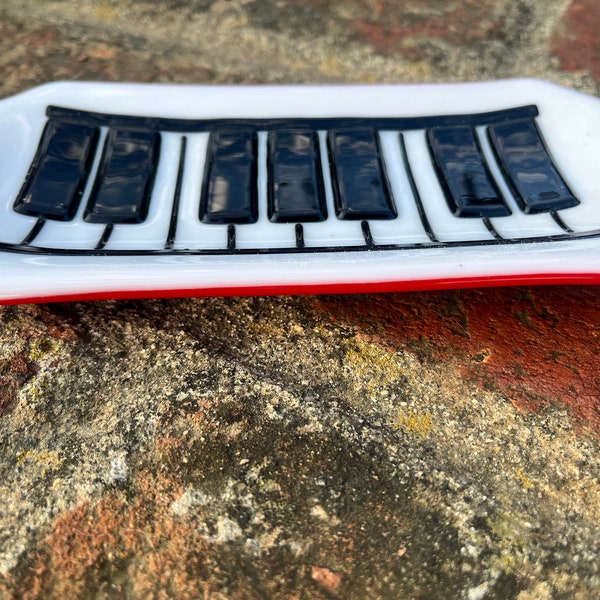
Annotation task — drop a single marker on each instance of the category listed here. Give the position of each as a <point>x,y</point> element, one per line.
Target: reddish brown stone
<point>326,577</point>
<point>14,372</point>
<point>539,346</point>
<point>43,53</point>
<point>120,548</point>
<point>399,29</point>
<point>577,44</point>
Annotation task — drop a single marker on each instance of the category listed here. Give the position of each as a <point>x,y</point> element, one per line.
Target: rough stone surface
<point>432,445</point>
<point>577,41</point>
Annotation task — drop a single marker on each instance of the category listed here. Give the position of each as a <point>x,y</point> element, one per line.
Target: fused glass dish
<point>122,190</point>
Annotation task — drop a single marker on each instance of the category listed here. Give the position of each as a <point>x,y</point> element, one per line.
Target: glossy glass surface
<point>123,186</point>
<point>470,190</point>
<point>296,191</point>
<point>529,170</point>
<point>230,189</point>
<point>59,171</point>
<point>359,184</point>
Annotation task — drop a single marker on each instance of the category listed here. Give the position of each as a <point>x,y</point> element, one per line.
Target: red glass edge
<point>322,288</point>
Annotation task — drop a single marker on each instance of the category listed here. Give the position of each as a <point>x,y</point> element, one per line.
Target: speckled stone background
<point>425,445</point>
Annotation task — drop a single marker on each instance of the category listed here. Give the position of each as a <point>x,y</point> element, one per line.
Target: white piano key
<point>263,233</point>
<point>75,234</point>
<point>518,224</point>
<point>15,227</point>
<point>332,231</point>
<point>407,228</point>
<point>152,233</point>
<point>445,226</point>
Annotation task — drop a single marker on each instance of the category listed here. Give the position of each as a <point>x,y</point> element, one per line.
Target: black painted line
<point>299,230</point>
<point>176,197</point>
<point>37,250</point>
<point>366,231</point>
<point>560,222</point>
<point>490,227</point>
<point>105,236</point>
<point>28,239</point>
<point>231,237</point>
<point>417,197</point>
<point>387,184</point>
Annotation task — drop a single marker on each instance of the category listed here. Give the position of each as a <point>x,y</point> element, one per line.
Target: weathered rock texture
<point>434,445</point>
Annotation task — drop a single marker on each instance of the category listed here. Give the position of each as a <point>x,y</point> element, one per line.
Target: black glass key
<point>123,186</point>
<point>529,170</point>
<point>469,188</point>
<point>359,183</point>
<point>230,193</point>
<point>296,191</point>
<point>59,171</point>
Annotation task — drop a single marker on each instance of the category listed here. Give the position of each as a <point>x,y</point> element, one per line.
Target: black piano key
<point>296,190</point>
<point>59,171</point>
<point>230,192</point>
<point>529,170</point>
<point>463,173</point>
<point>359,182</point>
<point>123,186</point>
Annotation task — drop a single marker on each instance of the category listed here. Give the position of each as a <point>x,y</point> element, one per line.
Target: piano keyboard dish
<point>120,190</point>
